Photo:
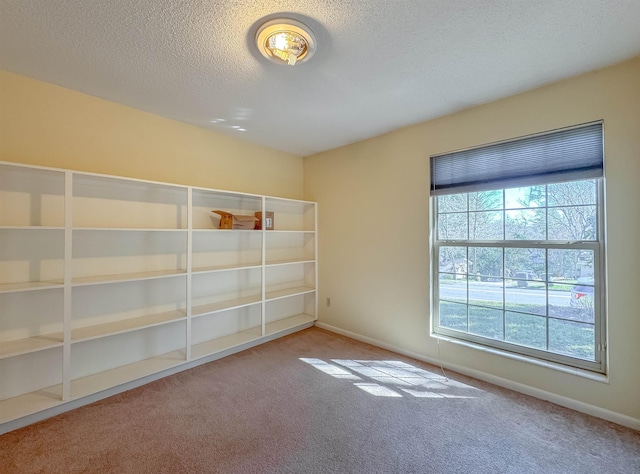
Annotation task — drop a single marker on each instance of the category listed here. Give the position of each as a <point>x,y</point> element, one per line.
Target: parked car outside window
<point>582,293</point>
<point>522,278</point>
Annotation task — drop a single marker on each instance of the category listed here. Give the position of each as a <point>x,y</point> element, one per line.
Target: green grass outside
<point>571,336</point>
<point>564,286</point>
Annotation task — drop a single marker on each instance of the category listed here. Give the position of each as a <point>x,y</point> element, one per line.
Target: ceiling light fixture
<point>286,41</point>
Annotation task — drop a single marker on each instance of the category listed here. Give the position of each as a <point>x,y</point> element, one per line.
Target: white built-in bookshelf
<point>108,282</point>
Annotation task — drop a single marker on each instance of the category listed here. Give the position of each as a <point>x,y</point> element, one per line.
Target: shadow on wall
<point>393,379</point>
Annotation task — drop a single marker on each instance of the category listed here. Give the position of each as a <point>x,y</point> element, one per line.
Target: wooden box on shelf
<point>231,221</point>
<point>268,220</point>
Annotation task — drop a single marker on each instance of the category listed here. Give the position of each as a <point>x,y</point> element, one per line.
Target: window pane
<point>452,226</point>
<point>525,265</point>
<point>485,264</point>
<point>453,287</point>
<point>452,203</point>
<point>453,260</point>
<point>572,223</point>
<point>572,338</point>
<point>575,192</point>
<point>485,225</point>
<point>526,329</point>
<point>527,297</point>
<point>486,294</point>
<point>528,197</point>
<point>526,224</point>
<point>485,200</point>
<point>566,266</point>
<point>559,298</point>
<point>453,316</point>
<point>582,301</point>
<point>486,322</point>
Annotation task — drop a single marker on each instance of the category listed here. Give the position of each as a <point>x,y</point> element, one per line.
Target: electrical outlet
<point>328,301</point>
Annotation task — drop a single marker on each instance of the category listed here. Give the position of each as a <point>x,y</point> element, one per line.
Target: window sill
<point>529,360</point>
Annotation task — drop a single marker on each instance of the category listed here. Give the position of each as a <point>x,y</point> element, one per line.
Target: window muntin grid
<point>520,269</point>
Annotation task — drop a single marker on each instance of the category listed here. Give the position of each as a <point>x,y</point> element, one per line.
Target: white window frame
<point>598,246</point>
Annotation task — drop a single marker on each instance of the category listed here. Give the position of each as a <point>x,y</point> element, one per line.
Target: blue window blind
<point>561,155</point>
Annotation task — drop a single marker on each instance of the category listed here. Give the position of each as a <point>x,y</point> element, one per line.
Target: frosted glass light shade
<point>285,41</point>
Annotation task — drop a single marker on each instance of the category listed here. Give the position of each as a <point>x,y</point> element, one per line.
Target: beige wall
<point>47,125</point>
<point>373,201</point>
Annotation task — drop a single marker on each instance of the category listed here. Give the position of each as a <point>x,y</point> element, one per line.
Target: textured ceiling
<point>379,64</point>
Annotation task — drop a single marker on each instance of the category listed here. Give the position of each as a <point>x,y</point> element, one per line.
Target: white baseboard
<point>582,407</point>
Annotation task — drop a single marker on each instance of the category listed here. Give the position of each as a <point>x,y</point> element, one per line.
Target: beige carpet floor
<point>315,402</point>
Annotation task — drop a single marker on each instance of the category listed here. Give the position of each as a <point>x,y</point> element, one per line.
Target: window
<point>518,249</point>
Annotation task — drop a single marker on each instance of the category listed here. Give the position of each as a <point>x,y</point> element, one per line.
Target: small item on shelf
<point>231,221</point>
<point>268,220</point>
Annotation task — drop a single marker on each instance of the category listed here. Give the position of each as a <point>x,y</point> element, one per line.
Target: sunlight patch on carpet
<point>394,379</point>
<point>331,369</point>
<point>377,390</point>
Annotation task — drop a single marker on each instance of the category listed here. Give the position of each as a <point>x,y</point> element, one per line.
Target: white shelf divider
<point>29,403</point>
<point>189,282</point>
<point>126,325</point>
<point>30,286</point>
<point>34,228</point>
<point>102,279</point>
<point>224,268</point>
<point>204,309</point>
<point>225,342</point>
<point>91,384</point>
<point>68,275</point>
<point>289,262</point>
<point>276,231</point>
<point>287,292</point>
<point>263,328</point>
<point>30,344</point>
<point>289,323</point>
